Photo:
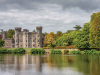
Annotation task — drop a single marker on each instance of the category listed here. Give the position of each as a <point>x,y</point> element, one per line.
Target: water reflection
<point>49,64</point>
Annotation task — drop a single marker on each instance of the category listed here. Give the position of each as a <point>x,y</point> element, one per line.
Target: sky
<point>52,15</point>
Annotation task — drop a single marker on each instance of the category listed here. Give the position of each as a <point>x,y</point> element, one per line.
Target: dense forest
<point>86,37</point>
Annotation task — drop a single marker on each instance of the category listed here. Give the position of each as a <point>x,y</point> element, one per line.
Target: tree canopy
<point>10,33</point>
<point>77,27</point>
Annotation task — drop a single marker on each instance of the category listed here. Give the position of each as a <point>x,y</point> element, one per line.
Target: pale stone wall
<point>26,39</point>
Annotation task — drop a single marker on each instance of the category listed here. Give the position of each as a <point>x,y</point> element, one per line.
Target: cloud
<point>53,15</point>
<point>86,5</point>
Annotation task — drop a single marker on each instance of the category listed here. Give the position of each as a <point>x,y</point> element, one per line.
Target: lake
<point>48,64</point>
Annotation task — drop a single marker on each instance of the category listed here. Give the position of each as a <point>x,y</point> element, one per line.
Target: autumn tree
<point>10,33</point>
<point>49,39</point>
<point>58,35</point>
<point>95,34</point>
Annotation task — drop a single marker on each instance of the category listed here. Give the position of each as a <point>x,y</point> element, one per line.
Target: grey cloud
<point>86,5</point>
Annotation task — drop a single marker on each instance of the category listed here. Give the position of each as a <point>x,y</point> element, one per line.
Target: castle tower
<point>4,35</point>
<point>17,30</point>
<point>39,37</point>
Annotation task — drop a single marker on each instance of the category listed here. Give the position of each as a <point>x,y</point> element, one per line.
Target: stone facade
<point>0,36</point>
<point>24,39</point>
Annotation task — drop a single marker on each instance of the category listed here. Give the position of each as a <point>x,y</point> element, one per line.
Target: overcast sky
<point>52,15</point>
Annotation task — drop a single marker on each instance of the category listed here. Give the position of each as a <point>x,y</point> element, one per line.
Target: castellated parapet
<point>25,39</point>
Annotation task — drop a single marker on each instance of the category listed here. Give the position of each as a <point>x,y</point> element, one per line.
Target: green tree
<point>34,30</point>
<point>59,34</point>
<point>64,40</point>
<point>1,31</point>
<point>95,34</point>
<point>68,31</point>
<point>2,43</point>
<point>10,33</point>
<point>77,27</point>
<point>82,37</point>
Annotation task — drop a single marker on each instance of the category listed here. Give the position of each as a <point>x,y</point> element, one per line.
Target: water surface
<point>49,64</point>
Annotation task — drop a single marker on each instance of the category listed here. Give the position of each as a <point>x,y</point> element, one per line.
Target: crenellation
<point>25,39</point>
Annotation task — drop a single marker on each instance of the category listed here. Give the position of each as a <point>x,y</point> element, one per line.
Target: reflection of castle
<point>24,39</point>
<point>22,62</point>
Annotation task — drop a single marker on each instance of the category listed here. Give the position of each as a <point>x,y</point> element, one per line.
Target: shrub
<point>75,52</point>
<point>92,51</point>
<point>19,50</point>
<point>60,47</point>
<point>66,51</point>
<point>37,51</point>
<point>98,52</point>
<point>46,47</point>
<point>5,51</point>
<point>9,51</point>
<point>56,52</point>
<point>71,47</point>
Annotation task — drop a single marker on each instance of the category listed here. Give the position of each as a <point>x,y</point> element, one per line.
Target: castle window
<point>26,36</point>
<point>38,40</point>
<point>26,40</point>
<point>38,45</point>
<point>33,41</point>
<point>33,36</point>
<point>26,45</point>
<point>33,45</point>
<point>38,35</point>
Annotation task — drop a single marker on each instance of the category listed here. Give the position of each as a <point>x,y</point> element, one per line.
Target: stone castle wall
<point>25,39</point>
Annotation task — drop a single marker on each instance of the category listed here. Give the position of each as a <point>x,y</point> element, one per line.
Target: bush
<point>46,47</point>
<point>5,51</point>
<point>37,51</point>
<point>19,50</point>
<point>56,52</point>
<point>71,47</point>
<point>65,47</point>
<point>92,51</point>
<point>75,52</point>
<point>66,51</point>
<point>60,47</point>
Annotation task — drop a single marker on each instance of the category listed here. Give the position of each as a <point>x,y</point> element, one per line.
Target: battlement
<point>25,30</point>
<point>17,28</point>
<point>39,27</point>
<point>4,32</point>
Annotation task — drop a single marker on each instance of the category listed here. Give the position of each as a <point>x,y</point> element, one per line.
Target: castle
<point>24,39</point>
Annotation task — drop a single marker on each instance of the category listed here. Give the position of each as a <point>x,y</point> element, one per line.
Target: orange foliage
<point>71,47</point>
<point>65,47</point>
<point>46,47</point>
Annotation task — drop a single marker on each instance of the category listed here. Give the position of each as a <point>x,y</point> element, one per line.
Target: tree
<point>59,34</point>
<point>68,31</point>
<point>10,33</point>
<point>64,40</point>
<point>2,43</point>
<point>1,31</point>
<point>77,27</point>
<point>95,34</point>
<point>49,39</point>
<point>34,30</point>
<point>82,37</point>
